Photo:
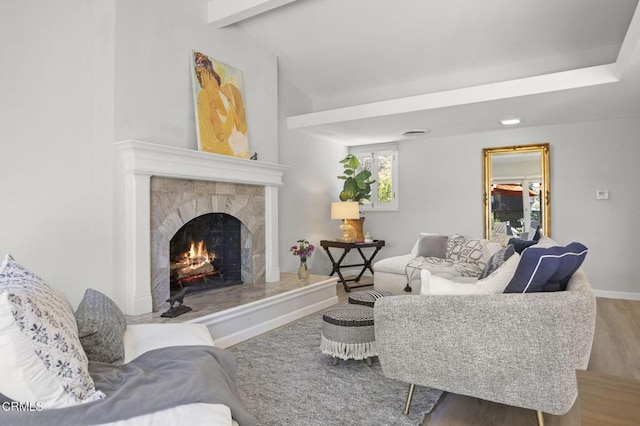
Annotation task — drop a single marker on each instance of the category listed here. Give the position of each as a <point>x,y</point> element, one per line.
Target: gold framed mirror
<point>516,191</point>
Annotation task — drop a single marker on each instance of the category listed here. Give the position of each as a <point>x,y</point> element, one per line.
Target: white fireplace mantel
<point>137,161</point>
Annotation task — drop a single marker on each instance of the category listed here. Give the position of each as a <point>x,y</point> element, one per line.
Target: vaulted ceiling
<point>374,69</point>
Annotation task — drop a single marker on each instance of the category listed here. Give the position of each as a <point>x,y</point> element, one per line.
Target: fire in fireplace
<point>206,254</point>
<point>194,264</point>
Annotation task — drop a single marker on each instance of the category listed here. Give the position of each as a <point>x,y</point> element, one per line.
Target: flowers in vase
<point>303,249</point>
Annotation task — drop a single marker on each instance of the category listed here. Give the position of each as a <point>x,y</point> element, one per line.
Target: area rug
<point>284,379</point>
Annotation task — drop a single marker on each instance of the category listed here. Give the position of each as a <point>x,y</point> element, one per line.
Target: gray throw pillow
<point>432,246</point>
<point>101,326</point>
<point>496,260</point>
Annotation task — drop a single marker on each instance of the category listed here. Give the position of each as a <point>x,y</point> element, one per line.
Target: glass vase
<point>303,270</point>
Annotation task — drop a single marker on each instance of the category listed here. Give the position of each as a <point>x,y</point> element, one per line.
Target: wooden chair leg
<point>540,416</point>
<point>407,405</point>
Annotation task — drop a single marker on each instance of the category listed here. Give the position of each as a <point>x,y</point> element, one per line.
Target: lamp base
<point>358,225</point>
<point>346,233</point>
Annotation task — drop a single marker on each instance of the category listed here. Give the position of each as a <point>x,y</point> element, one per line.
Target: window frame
<point>374,151</point>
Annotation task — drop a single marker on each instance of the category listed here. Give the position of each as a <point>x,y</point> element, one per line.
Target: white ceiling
<point>374,68</point>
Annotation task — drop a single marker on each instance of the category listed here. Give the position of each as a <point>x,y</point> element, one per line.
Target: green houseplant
<point>357,184</point>
<point>357,187</point>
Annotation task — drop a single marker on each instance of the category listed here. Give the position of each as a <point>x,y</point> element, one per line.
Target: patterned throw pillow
<point>493,284</point>
<point>462,249</point>
<point>101,326</point>
<point>496,260</point>
<point>42,358</point>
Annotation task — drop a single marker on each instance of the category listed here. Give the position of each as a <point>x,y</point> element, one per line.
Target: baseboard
<point>625,295</point>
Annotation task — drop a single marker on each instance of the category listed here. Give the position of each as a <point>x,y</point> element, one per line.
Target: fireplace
<point>161,188</point>
<point>228,219</point>
<point>207,253</point>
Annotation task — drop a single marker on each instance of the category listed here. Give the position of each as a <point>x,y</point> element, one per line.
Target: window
<point>382,162</point>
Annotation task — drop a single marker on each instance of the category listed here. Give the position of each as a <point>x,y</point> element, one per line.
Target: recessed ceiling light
<point>416,132</point>
<point>510,121</point>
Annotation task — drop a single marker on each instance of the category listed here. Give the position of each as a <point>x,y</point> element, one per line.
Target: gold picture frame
<point>528,164</point>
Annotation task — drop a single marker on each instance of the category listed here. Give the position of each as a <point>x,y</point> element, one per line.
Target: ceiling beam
<point>631,44</point>
<point>226,12</point>
<point>572,79</point>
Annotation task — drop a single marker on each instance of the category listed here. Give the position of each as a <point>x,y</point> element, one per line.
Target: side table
<point>346,248</point>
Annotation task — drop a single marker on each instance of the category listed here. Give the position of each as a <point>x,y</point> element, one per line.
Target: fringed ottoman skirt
<point>348,332</point>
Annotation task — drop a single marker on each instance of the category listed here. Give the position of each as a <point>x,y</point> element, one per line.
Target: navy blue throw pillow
<point>537,234</point>
<point>519,244</point>
<point>546,269</point>
<point>535,268</point>
<point>571,260</point>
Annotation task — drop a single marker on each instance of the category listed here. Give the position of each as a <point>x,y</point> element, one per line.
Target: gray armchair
<point>516,349</point>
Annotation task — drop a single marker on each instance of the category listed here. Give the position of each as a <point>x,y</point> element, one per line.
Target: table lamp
<point>344,210</point>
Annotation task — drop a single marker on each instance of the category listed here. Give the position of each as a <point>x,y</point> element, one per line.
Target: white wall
<point>55,146</point>
<point>154,101</point>
<point>310,186</point>
<point>77,76</point>
<point>441,191</point>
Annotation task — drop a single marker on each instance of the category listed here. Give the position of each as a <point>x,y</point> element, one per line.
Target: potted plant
<point>357,184</point>
<point>357,187</point>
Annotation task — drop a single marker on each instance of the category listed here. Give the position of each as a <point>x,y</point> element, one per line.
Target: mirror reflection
<point>516,191</point>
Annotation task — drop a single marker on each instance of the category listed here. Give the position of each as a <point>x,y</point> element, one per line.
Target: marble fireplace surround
<point>139,161</point>
<point>175,202</point>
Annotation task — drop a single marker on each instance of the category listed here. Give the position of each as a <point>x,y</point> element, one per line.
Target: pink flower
<point>303,249</point>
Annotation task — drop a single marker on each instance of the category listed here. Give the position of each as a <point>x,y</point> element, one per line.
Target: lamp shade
<point>345,210</point>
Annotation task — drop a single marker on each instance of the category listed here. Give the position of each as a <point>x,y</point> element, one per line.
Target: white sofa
<point>141,338</point>
<point>390,274</point>
<point>90,367</point>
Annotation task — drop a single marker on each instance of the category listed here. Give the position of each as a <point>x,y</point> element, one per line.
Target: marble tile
<point>204,187</point>
<point>204,205</point>
<point>229,297</point>
<point>225,188</point>
<point>188,211</point>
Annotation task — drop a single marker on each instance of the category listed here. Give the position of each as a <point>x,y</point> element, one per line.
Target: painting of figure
<point>221,122</point>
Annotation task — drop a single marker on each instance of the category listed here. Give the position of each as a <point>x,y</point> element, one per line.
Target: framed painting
<point>221,122</point>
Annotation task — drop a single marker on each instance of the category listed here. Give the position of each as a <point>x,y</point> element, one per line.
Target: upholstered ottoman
<point>348,333</point>
<point>367,297</point>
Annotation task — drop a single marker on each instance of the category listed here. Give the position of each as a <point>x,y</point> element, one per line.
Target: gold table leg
<point>409,398</point>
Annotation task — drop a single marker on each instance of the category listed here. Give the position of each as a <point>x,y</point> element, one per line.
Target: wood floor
<point>616,351</point>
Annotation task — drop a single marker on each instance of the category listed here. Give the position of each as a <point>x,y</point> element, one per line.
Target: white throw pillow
<point>493,284</point>
<point>42,358</point>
